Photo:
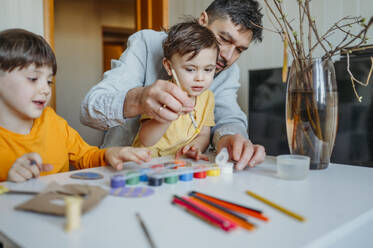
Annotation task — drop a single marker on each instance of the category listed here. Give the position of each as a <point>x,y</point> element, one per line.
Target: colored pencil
<point>232,206</point>
<point>208,210</point>
<point>205,215</point>
<point>230,217</point>
<point>208,218</point>
<point>146,231</point>
<point>228,211</point>
<point>276,206</point>
<point>209,197</point>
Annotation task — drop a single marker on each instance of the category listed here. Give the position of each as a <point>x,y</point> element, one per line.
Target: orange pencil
<point>230,217</point>
<point>210,216</point>
<point>231,206</point>
<point>228,211</point>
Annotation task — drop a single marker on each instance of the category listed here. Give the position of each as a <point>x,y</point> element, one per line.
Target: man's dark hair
<point>188,37</point>
<point>241,12</point>
<point>20,48</point>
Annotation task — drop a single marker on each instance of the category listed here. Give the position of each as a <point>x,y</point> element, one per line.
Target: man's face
<point>232,39</point>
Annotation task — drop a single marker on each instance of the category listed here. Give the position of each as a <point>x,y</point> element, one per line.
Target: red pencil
<point>230,217</point>
<point>206,215</point>
<point>232,206</point>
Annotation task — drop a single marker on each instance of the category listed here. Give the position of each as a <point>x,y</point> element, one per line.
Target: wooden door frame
<point>48,14</point>
<point>147,16</point>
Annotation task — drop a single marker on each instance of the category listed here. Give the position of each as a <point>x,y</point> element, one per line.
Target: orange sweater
<point>54,140</point>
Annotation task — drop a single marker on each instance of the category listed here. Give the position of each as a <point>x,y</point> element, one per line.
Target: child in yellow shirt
<point>34,140</point>
<point>190,51</point>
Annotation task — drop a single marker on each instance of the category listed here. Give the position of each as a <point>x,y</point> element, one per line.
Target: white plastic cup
<point>222,157</point>
<point>293,167</point>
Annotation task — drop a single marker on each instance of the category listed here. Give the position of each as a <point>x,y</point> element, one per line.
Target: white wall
<point>268,54</point>
<point>24,14</point>
<point>78,46</point>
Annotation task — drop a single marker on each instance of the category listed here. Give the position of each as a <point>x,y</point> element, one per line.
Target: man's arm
<point>102,107</point>
<point>229,117</point>
<point>231,123</point>
<point>124,91</point>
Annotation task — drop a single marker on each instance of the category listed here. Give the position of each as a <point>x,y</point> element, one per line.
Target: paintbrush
<point>146,231</point>
<point>5,190</point>
<point>190,113</point>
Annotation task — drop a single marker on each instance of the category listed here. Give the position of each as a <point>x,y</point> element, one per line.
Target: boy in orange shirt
<point>34,140</point>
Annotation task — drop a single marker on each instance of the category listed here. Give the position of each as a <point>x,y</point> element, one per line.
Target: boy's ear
<point>203,19</point>
<point>167,66</point>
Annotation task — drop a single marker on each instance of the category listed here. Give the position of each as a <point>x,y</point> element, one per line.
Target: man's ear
<point>167,65</point>
<point>203,19</point>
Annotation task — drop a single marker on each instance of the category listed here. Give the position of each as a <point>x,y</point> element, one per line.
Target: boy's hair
<point>241,12</point>
<point>20,48</point>
<point>188,37</point>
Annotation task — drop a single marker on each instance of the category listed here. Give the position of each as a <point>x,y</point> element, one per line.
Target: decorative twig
<point>354,80</point>
<point>264,28</point>
<point>335,27</point>
<point>282,28</point>
<point>361,36</point>
<point>301,19</point>
<point>311,23</point>
<point>289,29</point>
<point>296,44</point>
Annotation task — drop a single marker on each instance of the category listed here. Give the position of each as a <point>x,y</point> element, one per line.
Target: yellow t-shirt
<point>54,140</point>
<point>181,131</point>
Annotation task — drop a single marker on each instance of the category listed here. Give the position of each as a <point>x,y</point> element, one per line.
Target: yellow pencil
<point>190,113</point>
<point>274,205</point>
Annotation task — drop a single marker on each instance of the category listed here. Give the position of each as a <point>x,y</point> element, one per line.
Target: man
<point>137,84</point>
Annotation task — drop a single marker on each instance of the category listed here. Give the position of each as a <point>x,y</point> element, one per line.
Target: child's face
<point>195,75</point>
<point>26,92</point>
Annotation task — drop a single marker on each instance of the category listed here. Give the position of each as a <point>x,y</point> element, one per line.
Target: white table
<point>337,202</point>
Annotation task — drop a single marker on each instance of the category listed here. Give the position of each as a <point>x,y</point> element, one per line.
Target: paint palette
<point>133,192</point>
<point>169,172</point>
<point>160,170</point>
<point>87,175</point>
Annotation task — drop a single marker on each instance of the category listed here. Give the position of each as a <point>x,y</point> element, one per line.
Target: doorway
<point>114,43</point>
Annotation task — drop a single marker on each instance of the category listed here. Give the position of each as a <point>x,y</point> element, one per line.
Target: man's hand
<point>163,100</point>
<point>26,167</point>
<point>242,151</point>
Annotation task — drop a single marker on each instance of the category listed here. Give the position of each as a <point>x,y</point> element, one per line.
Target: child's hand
<point>116,156</point>
<point>26,167</point>
<point>191,151</point>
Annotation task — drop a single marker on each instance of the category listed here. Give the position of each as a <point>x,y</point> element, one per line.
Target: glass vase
<point>312,110</point>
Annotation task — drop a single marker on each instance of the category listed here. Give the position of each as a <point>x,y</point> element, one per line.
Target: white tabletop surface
<point>337,202</point>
